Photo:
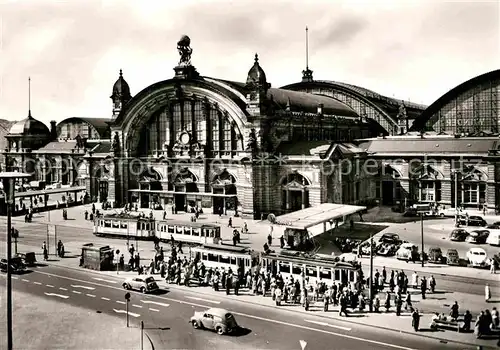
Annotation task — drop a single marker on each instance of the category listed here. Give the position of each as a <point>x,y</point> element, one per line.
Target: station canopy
<point>309,217</point>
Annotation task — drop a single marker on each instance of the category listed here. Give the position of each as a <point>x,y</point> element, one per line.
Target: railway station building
<point>244,147</point>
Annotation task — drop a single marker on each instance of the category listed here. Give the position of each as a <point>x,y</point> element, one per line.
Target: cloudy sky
<point>74,49</point>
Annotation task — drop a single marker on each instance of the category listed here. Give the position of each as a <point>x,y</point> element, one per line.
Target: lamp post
<point>370,287</point>
<point>9,181</point>
<point>456,173</point>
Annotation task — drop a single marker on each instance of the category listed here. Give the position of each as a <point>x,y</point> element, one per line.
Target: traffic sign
<point>127,296</point>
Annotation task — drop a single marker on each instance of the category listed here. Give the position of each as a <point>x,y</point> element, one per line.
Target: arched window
<point>473,186</point>
<point>224,192</point>
<point>150,180</point>
<point>188,127</point>
<point>185,181</point>
<point>429,183</point>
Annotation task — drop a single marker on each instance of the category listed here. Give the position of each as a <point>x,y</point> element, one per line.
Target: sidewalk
<point>437,302</point>
<point>258,231</point>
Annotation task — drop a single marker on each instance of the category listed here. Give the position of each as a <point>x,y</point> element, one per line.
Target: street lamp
<point>9,182</point>
<point>370,287</point>
<point>456,172</point>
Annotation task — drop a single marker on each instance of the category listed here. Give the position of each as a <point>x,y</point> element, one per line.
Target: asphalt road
<point>166,317</point>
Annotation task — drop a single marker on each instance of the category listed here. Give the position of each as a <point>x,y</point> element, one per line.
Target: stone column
<point>303,198</point>
<point>287,199</point>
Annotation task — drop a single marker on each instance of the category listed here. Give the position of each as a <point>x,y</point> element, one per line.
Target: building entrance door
<point>218,205</point>
<point>103,191</point>
<point>295,200</point>
<point>387,193</point>
<point>180,202</point>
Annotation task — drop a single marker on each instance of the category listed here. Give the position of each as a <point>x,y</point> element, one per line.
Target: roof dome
<point>256,74</point>
<point>29,126</point>
<point>121,87</point>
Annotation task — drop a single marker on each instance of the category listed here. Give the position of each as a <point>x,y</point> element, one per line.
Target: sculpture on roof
<point>402,111</point>
<point>116,144</point>
<point>185,51</point>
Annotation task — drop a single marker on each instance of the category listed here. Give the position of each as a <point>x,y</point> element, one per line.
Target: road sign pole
<point>126,309</point>
<point>48,241</point>
<point>142,335</point>
<point>422,237</point>
<point>370,286</point>
<point>55,239</point>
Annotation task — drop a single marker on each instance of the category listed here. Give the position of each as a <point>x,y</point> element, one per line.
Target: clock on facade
<point>185,138</point>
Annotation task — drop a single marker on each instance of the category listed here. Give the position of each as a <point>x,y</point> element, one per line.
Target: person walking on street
<point>487,293</point>
<point>45,252</point>
<point>423,287</point>
<point>432,284</point>
<point>454,312</point>
<point>415,320</point>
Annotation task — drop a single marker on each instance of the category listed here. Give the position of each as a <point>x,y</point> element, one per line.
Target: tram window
<point>187,231</point>
<point>224,259</point>
<point>196,232</point>
<point>312,271</point>
<point>337,275</point>
<point>247,263</point>
<point>210,233</point>
<point>171,229</point>
<point>325,273</point>
<point>202,232</point>
<point>296,269</point>
<point>284,267</point>
<point>213,257</point>
<point>107,223</point>
<point>217,233</point>
<point>179,229</point>
<point>233,260</point>
<point>116,224</point>
<point>124,225</point>
<point>203,256</point>
<point>351,276</point>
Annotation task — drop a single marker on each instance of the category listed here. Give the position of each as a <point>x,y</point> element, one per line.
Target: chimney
<point>53,130</point>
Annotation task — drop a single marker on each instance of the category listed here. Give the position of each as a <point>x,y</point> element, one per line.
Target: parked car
<point>406,251</point>
<point>53,186</point>
<point>387,249</point>
<point>477,236</point>
<point>29,259</point>
<point>452,257</point>
<point>477,257</point>
<point>410,212</point>
<point>447,212</point>
<point>472,221</point>
<point>364,248</point>
<point>494,226</point>
<point>388,238</point>
<point>494,238</point>
<point>219,320</point>
<point>459,235</point>
<point>16,265</point>
<point>435,255</point>
<point>142,284</point>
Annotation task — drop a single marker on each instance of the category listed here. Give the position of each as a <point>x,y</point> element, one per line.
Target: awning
<point>37,193</point>
<point>190,194</point>
<point>309,217</point>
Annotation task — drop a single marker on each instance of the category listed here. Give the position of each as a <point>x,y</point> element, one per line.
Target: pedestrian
<point>325,307</point>
<point>387,302</point>
<point>454,311</point>
<point>415,320</point>
<point>230,222</point>
<point>487,293</point>
<point>414,280</point>
<point>493,266</point>
<point>384,274</point>
<point>495,317</point>
<point>423,287</point>
<point>432,284</point>
<point>45,252</point>
<point>467,321</point>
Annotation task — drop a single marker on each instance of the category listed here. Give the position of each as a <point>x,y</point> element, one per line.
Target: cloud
<point>342,32</point>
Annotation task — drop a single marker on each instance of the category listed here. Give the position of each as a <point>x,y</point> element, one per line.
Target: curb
<point>150,341</point>
<point>297,312</point>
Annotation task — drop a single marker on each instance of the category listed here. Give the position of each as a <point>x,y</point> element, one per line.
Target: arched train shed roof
<point>100,124</point>
<point>421,121</point>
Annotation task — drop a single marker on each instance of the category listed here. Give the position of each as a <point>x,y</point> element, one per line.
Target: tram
<point>124,226</point>
<point>315,268</point>
<point>136,227</point>
<point>191,232</point>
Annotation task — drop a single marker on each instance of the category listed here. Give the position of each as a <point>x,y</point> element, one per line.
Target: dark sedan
<point>472,221</point>
<point>478,236</point>
<point>458,235</point>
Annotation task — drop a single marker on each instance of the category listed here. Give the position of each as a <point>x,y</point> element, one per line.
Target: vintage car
<point>447,212</point>
<point>388,238</point>
<point>477,236</point>
<point>494,238</point>
<point>477,257</point>
<point>458,235</point>
<point>435,255</point>
<point>452,257</point>
<point>463,220</point>
<point>494,226</point>
<point>219,320</point>
<point>407,251</point>
<point>387,249</point>
<point>142,284</point>
<point>29,259</point>
<point>364,248</point>
<point>16,265</point>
